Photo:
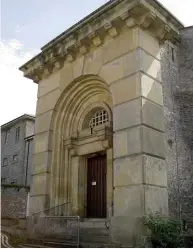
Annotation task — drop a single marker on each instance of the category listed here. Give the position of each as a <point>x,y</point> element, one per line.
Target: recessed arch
<point>75,102</point>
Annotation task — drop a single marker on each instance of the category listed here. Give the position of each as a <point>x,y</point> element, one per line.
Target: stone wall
<point>184,103</point>
<point>14,171</point>
<point>177,74</point>
<point>169,69</point>
<point>13,202</point>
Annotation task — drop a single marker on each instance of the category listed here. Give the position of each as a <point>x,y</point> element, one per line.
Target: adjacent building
<point>16,164</point>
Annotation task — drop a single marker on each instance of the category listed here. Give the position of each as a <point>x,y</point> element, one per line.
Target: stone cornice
<point>130,13</point>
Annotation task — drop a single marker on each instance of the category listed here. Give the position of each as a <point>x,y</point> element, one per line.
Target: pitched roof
<point>18,119</point>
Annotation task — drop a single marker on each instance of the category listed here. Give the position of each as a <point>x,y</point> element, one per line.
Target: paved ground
<point>5,241</point>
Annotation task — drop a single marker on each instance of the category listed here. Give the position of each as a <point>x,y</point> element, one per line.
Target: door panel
<point>96,187</point>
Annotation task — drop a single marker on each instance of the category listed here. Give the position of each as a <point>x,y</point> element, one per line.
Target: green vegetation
<point>165,233</point>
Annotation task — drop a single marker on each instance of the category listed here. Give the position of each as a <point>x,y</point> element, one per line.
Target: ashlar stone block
<point>149,44</point>
<point>41,162</point>
<point>151,89</point>
<point>128,171</point>
<point>127,142</point>
<point>49,84</point>
<point>78,65</point>
<point>121,67</point>
<point>120,45</point>
<point>154,171</point>
<point>43,122</point>
<point>150,65</point>
<point>128,201</point>
<point>37,203</point>
<point>43,142</point>
<point>156,200</point>
<point>66,76</point>
<point>152,115</point>
<point>93,62</point>
<point>39,184</point>
<point>126,89</point>
<point>127,115</point>
<point>47,102</point>
<point>153,142</point>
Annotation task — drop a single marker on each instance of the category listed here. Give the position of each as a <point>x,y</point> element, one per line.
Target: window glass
<point>7,135</point>
<point>17,135</point>
<point>15,158</point>
<point>3,180</point>
<point>5,161</point>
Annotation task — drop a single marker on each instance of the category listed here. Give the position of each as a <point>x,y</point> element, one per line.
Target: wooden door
<point>96,186</point>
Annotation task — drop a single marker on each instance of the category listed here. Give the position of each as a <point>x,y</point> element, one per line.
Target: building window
<point>3,180</point>
<point>173,56</point>
<point>7,135</point>
<point>15,158</point>
<point>17,134</point>
<point>5,162</point>
<point>100,117</point>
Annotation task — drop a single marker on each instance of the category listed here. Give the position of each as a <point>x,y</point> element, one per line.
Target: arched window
<point>100,117</point>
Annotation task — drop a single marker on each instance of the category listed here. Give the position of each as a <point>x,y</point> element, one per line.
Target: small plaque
<point>93,183</point>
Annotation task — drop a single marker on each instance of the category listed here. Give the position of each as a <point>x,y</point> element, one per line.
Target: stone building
<point>113,135</point>
<point>16,164</point>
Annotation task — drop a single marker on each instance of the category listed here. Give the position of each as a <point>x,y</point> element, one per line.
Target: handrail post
<point>78,232</point>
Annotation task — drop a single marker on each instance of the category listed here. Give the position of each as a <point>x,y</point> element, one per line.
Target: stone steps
<point>93,234</point>
<point>94,231</point>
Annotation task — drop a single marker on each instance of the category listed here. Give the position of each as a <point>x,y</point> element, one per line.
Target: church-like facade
<point>107,132</point>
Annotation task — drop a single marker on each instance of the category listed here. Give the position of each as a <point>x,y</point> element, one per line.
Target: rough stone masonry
<point>177,75</point>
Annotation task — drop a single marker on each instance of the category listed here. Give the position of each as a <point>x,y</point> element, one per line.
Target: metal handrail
<point>47,209</point>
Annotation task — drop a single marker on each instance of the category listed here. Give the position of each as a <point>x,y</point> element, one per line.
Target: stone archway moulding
<point>71,109</point>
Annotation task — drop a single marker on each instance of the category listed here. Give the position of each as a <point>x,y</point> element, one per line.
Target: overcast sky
<point>26,25</point>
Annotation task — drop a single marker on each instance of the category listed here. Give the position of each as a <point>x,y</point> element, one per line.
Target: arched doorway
<point>82,160</point>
